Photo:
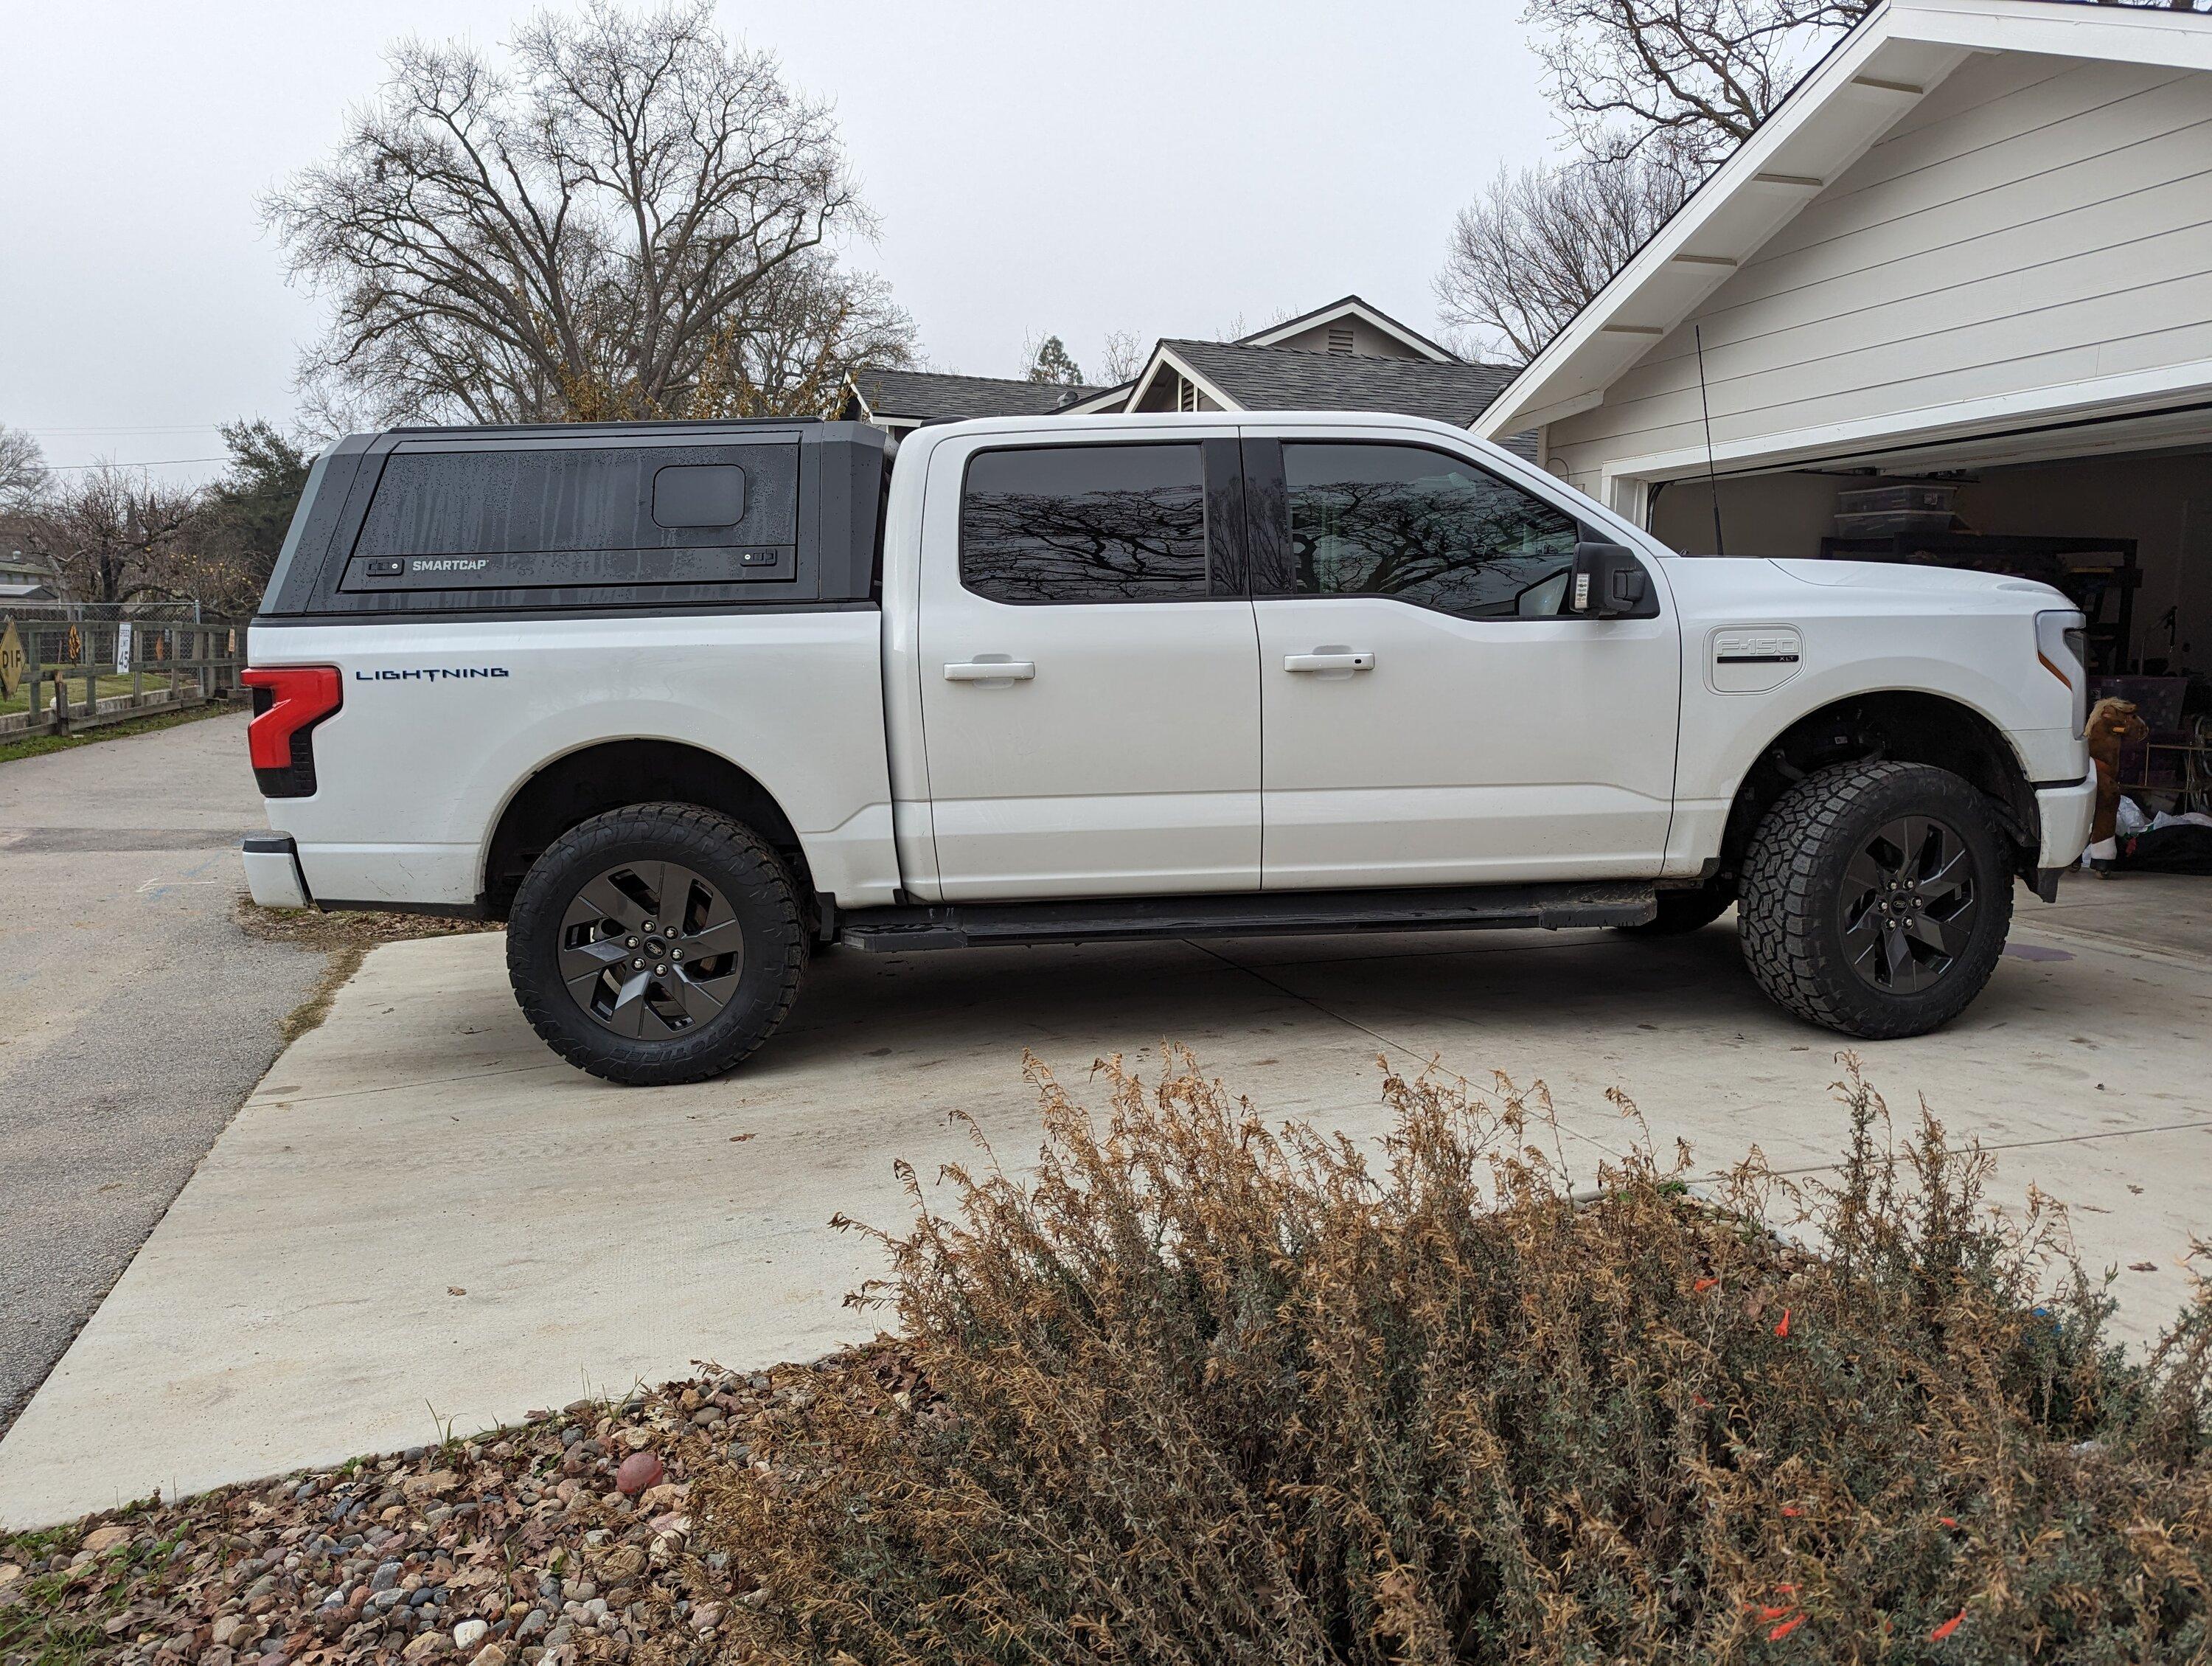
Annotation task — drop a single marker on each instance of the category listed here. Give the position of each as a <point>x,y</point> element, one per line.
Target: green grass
<point>154,679</point>
<point>31,746</point>
<point>42,1626</point>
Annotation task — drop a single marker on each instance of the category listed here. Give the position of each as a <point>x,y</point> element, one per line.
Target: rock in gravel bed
<point>520,1547</point>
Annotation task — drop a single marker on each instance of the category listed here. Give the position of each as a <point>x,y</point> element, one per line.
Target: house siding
<point>2032,221</point>
<point>1367,342</point>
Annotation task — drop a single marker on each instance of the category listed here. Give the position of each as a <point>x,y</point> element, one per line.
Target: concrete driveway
<point>134,1015</point>
<point>421,1214</point>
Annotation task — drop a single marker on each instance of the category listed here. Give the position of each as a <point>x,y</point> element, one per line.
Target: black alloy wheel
<point>1908,904</point>
<point>651,948</point>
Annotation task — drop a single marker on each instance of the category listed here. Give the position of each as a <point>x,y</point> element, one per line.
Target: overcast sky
<point>1166,169</point>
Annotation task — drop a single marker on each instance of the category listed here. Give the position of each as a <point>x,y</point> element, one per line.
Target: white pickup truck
<point>682,702</point>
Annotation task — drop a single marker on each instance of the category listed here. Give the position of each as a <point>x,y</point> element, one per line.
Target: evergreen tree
<point>1054,364</point>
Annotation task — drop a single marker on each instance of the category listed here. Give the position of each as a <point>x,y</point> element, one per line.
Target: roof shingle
<point>927,393</point>
<point>1297,378</point>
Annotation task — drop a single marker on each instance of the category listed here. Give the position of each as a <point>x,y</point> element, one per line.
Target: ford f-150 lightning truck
<point>684,702</point>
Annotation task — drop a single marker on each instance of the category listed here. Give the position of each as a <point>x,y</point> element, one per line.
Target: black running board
<point>1465,908</point>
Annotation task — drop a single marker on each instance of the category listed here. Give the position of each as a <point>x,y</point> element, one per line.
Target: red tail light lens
<point>288,701</point>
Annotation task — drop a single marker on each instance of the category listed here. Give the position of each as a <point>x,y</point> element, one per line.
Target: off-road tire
<point>761,893</point>
<point>1788,908</point>
<point>1682,912</point>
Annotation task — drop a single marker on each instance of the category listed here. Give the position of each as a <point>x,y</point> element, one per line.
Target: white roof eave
<point>1847,102</point>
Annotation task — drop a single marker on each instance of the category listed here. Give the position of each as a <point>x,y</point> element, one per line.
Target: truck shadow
<point>1533,994</point>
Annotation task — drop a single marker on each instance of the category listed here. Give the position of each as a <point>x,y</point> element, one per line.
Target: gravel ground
<point>134,1015</point>
<point>564,1540</point>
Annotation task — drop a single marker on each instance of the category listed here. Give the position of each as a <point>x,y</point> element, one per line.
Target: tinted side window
<point>1424,527</point>
<point>1084,524</point>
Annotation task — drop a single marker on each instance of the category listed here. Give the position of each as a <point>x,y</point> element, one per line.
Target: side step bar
<point>1465,908</point>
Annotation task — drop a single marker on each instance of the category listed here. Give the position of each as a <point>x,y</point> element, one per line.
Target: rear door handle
<point>991,671</point>
<point>1328,662</point>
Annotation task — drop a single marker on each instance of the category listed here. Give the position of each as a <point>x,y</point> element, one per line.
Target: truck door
<point>1431,717</point>
<point>1089,673</point>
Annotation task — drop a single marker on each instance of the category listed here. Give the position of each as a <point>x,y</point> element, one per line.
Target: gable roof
<point>924,394</point>
<point>1349,307</point>
<point>1846,102</point>
<point>1298,378</point>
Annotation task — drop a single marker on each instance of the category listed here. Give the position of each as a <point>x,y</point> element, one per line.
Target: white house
<point>1973,247</point>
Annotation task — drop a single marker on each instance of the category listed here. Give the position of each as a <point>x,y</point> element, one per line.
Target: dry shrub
<point>1198,1390</point>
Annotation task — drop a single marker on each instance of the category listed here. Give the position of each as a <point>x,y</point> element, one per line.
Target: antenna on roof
<point>1713,472</point>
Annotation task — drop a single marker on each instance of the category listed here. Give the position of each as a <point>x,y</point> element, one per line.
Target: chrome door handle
<point>1328,662</point>
<point>991,671</point>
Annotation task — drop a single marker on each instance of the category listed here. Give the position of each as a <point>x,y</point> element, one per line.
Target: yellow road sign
<point>12,660</point>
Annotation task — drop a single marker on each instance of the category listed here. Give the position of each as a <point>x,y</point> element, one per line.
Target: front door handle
<point>1328,662</point>
<point>991,671</point>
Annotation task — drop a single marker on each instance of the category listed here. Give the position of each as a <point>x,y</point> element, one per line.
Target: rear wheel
<point>1876,898</point>
<point>658,943</point>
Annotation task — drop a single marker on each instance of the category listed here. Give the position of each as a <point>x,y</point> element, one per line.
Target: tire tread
<point>1782,909</point>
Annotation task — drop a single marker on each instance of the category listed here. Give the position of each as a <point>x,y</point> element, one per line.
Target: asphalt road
<point>135,1016</point>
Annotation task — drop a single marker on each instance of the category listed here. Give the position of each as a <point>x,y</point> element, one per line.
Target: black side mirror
<point>1608,582</point>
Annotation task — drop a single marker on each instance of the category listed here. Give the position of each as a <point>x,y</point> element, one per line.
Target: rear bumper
<point>2066,812</point>
<point>272,872</point>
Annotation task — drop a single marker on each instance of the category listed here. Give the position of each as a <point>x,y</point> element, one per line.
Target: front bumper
<point>272,872</point>
<point>2065,812</point>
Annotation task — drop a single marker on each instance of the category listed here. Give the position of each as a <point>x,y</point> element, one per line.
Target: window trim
<point>1221,488</point>
<point>1268,523</point>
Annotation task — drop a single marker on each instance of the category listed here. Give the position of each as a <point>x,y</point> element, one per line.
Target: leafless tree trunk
<point>631,218</point>
<point>1531,252</point>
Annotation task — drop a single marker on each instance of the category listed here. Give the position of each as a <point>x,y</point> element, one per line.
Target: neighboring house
<point>1972,248</point>
<point>21,571</point>
<point>1346,355</point>
<point>902,400</point>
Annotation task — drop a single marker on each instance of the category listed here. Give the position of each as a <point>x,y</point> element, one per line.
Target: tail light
<point>288,701</point>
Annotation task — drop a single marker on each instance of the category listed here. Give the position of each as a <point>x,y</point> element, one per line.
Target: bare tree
<point>1123,357</point>
<point>1531,252</point>
<point>112,534</point>
<point>23,475</point>
<point>810,322</point>
<point>634,218</point>
<point>1700,74</point>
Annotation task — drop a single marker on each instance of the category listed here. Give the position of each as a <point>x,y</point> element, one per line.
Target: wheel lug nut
<point>660,972</point>
<point>648,927</point>
<point>638,965</point>
<point>676,954</point>
<point>631,944</point>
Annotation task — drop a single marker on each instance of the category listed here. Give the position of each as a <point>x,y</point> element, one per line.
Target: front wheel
<point>658,943</point>
<point>1876,898</point>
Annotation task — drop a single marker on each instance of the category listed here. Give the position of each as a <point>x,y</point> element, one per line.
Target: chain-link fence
<point>62,667</point>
